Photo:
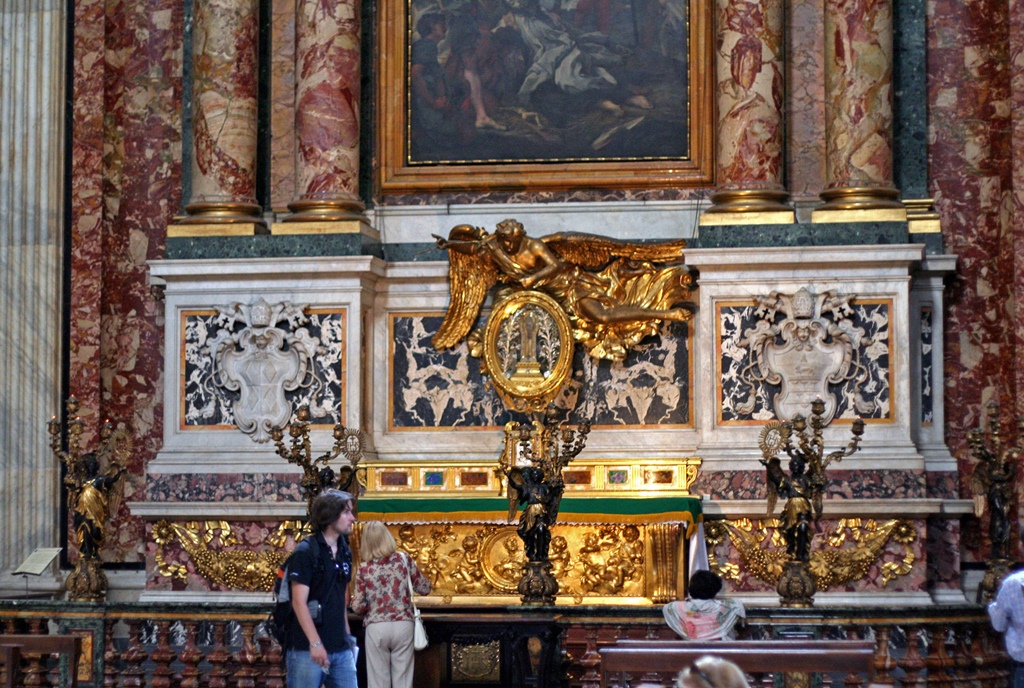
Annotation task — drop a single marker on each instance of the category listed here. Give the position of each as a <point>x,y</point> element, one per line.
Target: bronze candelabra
<point>804,488</point>
<point>317,474</point>
<point>93,494</point>
<point>992,484</point>
<point>535,454</point>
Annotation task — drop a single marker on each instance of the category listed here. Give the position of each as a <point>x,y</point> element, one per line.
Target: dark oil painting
<point>547,81</point>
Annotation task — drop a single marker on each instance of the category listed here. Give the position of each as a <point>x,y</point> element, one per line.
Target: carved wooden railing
<point>941,647</point>
<point>224,646</point>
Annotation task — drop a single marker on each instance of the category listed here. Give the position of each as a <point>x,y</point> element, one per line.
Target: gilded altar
<point>624,531</point>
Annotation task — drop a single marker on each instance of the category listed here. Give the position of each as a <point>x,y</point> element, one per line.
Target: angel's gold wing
<point>979,486</point>
<point>593,252</point>
<point>122,445</point>
<point>470,277</point>
<point>515,479</point>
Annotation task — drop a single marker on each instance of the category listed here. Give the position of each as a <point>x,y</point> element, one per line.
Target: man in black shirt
<point>322,651</point>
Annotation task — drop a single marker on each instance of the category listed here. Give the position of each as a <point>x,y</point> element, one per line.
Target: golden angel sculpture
<point>94,493</point>
<point>615,293</point>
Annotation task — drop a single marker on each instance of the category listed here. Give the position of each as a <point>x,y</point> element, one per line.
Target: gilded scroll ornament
<point>615,293</point>
<point>804,342</point>
<point>236,569</point>
<point>830,566</point>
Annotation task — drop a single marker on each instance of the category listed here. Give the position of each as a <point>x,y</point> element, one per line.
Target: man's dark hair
<point>426,23</point>
<point>704,585</point>
<point>327,507</point>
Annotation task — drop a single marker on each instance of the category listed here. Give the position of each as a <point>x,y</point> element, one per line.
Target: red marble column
<point>750,49</point>
<point>224,107</point>
<point>858,106</point>
<point>327,112</point>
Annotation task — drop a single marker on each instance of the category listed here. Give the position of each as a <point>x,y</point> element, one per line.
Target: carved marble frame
<point>396,176</point>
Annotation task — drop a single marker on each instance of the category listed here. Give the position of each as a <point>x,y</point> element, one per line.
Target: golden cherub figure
<point>615,293</point>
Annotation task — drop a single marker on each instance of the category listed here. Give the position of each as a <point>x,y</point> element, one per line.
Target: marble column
<point>224,114</point>
<point>858,108</point>
<point>32,92</point>
<point>751,93</point>
<point>327,70</point>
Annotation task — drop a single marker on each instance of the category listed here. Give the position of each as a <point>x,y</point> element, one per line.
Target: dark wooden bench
<point>654,662</point>
<point>16,647</point>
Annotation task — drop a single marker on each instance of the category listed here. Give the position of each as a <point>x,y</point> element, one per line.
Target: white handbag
<point>419,636</point>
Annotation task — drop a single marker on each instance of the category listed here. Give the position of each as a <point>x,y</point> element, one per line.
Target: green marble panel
<point>805,234</point>
<point>270,246</point>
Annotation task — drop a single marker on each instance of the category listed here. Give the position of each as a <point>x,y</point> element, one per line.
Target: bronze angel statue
<point>540,500</point>
<point>615,293</point>
<point>805,485</point>
<point>993,478</point>
<point>95,496</point>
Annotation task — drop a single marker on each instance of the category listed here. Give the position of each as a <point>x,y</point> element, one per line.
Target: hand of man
<point>319,657</point>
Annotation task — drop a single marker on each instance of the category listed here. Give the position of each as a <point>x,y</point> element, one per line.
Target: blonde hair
<point>712,672</point>
<point>375,541</point>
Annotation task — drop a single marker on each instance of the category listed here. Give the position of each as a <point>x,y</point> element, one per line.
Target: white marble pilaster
<point>927,292</point>
<point>31,195</point>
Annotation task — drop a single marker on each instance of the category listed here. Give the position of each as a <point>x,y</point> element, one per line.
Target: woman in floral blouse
<point>382,598</point>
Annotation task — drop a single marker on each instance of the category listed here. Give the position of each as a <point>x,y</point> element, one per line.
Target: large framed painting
<point>544,94</point>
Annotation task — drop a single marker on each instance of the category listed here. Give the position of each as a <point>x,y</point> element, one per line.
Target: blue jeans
<point>303,673</point>
<point>1017,675</point>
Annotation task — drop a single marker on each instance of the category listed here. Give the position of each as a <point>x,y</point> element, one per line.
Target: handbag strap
<point>408,579</point>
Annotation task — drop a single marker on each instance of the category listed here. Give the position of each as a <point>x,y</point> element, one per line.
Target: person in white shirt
<point>1007,615</point>
<point>701,616</point>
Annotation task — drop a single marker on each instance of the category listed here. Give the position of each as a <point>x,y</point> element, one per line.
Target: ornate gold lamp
<point>317,474</point>
<point>803,487</point>
<point>94,492</point>
<point>992,484</point>
<point>534,456</point>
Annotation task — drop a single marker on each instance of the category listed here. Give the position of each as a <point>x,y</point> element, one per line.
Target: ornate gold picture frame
<point>544,95</point>
<point>528,348</point>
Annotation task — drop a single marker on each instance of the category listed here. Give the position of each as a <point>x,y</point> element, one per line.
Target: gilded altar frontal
<point>573,299</point>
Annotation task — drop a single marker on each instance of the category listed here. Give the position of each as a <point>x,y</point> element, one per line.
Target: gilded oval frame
<point>527,392</point>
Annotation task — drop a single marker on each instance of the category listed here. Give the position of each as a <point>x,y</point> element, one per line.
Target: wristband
<point>316,644</point>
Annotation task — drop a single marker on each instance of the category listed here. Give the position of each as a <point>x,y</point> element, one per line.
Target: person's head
<point>375,542</point>
<point>510,233</point>
<point>327,509</point>
<point>431,25</point>
<point>712,672</point>
<point>704,585</point>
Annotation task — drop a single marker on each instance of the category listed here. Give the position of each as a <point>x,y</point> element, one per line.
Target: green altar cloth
<point>639,510</point>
